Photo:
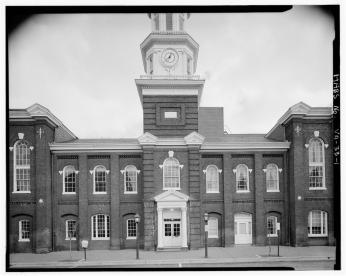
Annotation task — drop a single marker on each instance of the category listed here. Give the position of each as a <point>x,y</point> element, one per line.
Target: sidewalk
<point>237,254</point>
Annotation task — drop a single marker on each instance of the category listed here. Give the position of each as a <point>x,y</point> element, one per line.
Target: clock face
<point>169,57</point>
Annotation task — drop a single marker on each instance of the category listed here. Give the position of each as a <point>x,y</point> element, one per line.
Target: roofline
<point>302,110</point>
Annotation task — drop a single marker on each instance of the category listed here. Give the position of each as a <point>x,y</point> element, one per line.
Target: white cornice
<point>245,146</point>
<point>174,84</point>
<point>74,147</point>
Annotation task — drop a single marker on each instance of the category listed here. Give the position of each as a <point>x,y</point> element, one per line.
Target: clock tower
<point>169,91</point>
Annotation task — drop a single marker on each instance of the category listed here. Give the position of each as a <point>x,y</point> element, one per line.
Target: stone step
<point>172,249</point>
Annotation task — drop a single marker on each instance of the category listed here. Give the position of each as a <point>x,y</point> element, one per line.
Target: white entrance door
<point>243,228</point>
<point>172,228</point>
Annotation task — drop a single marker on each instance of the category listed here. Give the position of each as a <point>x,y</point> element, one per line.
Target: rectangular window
<point>151,65</point>
<point>181,23</point>
<point>168,231</point>
<point>100,227</point>
<point>317,224</point>
<point>176,229</point>
<point>24,230</point>
<point>71,229</point>
<point>271,227</point>
<point>156,22</point>
<point>23,179</point>
<point>316,176</point>
<point>171,114</point>
<point>131,181</point>
<point>70,182</point>
<point>189,64</point>
<point>131,229</point>
<point>213,231</point>
<point>100,181</point>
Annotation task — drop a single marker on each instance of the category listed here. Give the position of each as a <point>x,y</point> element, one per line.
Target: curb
<point>178,262</point>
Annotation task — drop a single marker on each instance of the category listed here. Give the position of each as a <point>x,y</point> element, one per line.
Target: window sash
<point>212,179</point>
<point>131,229</point>
<point>242,178</point>
<point>131,180</point>
<point>71,229</point>
<point>318,224</point>
<point>271,226</point>
<point>21,171</point>
<point>100,181</point>
<point>171,174</point>
<point>100,227</point>
<point>69,181</point>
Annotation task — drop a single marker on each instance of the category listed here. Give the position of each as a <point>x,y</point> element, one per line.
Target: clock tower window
<point>169,22</point>
<point>156,22</point>
<point>189,65</point>
<point>181,22</point>
<point>151,66</point>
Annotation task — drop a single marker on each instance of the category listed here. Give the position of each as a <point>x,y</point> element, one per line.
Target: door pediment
<point>171,196</point>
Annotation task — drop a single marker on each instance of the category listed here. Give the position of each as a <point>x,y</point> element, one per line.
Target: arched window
<point>100,180</point>
<point>242,178</point>
<point>130,179</point>
<point>171,173</point>
<point>131,229</point>
<point>100,227</point>
<point>69,180</point>
<point>212,179</point>
<point>24,230</point>
<point>316,164</point>
<point>317,224</point>
<point>272,178</point>
<point>271,226</point>
<point>21,170</point>
<point>213,227</point>
<point>71,229</point>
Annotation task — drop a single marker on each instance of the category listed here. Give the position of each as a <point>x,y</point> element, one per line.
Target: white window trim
<point>94,181</point>
<point>127,230</point>
<point>66,230</point>
<point>310,234</point>
<point>63,181</point>
<point>247,180</point>
<point>163,173</point>
<point>278,178</point>
<point>276,230</point>
<point>15,166</point>
<point>124,173</point>
<point>20,239</point>
<point>214,236</point>
<point>318,164</point>
<point>92,229</point>
<point>217,180</point>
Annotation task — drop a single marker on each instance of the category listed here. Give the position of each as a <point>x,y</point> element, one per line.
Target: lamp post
<point>137,220</point>
<point>206,217</point>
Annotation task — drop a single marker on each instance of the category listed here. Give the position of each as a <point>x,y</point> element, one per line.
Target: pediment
<point>194,138</point>
<point>37,109</point>
<point>171,196</point>
<point>147,139</point>
<point>300,108</point>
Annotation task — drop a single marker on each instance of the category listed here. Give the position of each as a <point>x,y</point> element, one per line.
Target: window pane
<point>100,179</point>
<point>131,228</point>
<point>71,229</point>
<point>24,230</point>
<point>316,176</point>
<point>272,177</point>
<point>241,175</point>
<point>131,179</point>
<point>213,227</point>
<point>70,180</point>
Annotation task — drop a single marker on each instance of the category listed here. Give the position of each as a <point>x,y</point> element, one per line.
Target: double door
<point>172,229</point>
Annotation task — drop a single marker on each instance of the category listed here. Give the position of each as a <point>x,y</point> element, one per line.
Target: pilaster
<point>228,210</point>
<point>260,233</point>
<point>83,198</point>
<point>115,202</point>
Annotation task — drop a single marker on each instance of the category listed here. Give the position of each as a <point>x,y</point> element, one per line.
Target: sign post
<point>84,246</point>
<point>278,231</point>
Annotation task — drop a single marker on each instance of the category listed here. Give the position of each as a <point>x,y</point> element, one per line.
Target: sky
<point>82,67</point>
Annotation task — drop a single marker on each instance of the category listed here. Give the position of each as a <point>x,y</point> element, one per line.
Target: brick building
<point>63,189</point>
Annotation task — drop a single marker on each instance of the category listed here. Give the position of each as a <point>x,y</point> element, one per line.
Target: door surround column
<point>159,228</point>
<point>183,227</point>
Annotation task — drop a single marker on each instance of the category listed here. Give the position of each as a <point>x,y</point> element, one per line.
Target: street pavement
<point>316,257</point>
